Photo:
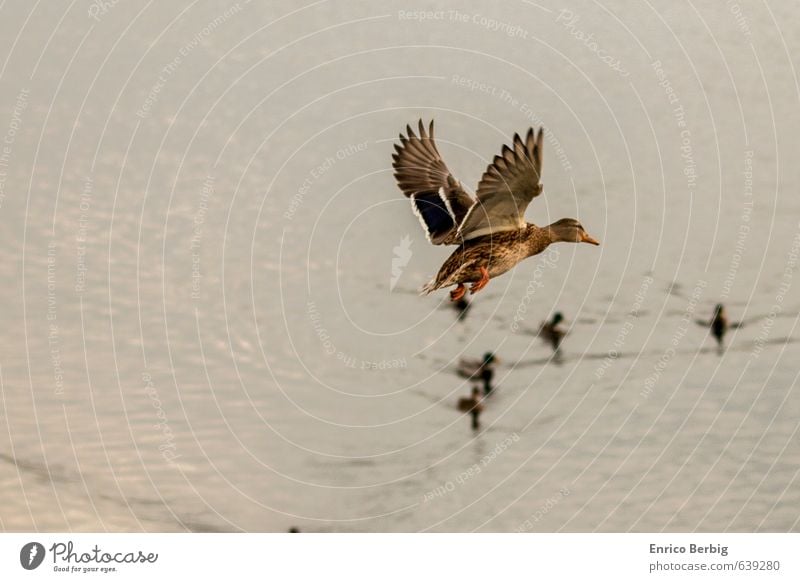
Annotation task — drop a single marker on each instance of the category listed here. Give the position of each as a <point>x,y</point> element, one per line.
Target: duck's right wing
<point>509,184</point>
<point>437,198</point>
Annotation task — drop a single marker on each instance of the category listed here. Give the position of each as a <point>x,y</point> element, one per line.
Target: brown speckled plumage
<point>498,252</point>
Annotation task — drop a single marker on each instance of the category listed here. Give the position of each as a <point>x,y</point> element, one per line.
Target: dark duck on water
<point>490,229</point>
<point>552,333</point>
<point>719,324</point>
<point>473,405</point>
<point>473,367</point>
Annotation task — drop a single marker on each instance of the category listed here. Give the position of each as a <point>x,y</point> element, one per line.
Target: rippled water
<point>210,308</point>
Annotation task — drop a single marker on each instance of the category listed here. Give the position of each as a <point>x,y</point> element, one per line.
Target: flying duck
<point>489,230</point>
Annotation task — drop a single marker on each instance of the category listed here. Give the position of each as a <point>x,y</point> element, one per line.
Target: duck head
<point>570,230</point>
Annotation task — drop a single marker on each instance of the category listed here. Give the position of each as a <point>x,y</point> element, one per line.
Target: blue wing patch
<point>433,214</point>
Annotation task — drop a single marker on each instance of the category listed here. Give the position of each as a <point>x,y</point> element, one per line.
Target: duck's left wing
<point>437,198</point>
<point>510,182</point>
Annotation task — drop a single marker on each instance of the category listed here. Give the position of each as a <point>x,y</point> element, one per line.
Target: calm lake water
<point>210,276</point>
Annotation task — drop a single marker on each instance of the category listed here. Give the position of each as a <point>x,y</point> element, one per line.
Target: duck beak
<point>587,239</point>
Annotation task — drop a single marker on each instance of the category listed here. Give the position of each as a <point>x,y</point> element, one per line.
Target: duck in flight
<point>489,230</point>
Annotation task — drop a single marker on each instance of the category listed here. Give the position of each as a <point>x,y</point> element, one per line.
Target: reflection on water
<point>207,331</point>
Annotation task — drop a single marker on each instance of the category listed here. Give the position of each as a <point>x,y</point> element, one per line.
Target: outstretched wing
<point>510,182</point>
<point>437,198</point>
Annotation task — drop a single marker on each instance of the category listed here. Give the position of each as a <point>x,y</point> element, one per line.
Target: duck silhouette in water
<point>487,374</point>
<point>462,307</point>
<point>551,333</point>
<point>473,405</point>
<point>719,324</point>
<point>472,367</point>
<point>483,369</point>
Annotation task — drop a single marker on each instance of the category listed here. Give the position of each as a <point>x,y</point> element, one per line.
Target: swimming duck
<point>462,307</point>
<point>473,405</point>
<point>467,403</point>
<point>472,368</point>
<point>551,333</point>
<point>490,229</point>
<point>486,375</point>
<point>719,323</point>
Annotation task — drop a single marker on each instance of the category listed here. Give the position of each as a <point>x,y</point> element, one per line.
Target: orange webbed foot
<point>480,283</point>
<point>458,292</point>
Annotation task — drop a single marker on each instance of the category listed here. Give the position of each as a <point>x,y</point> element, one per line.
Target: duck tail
<point>429,287</point>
